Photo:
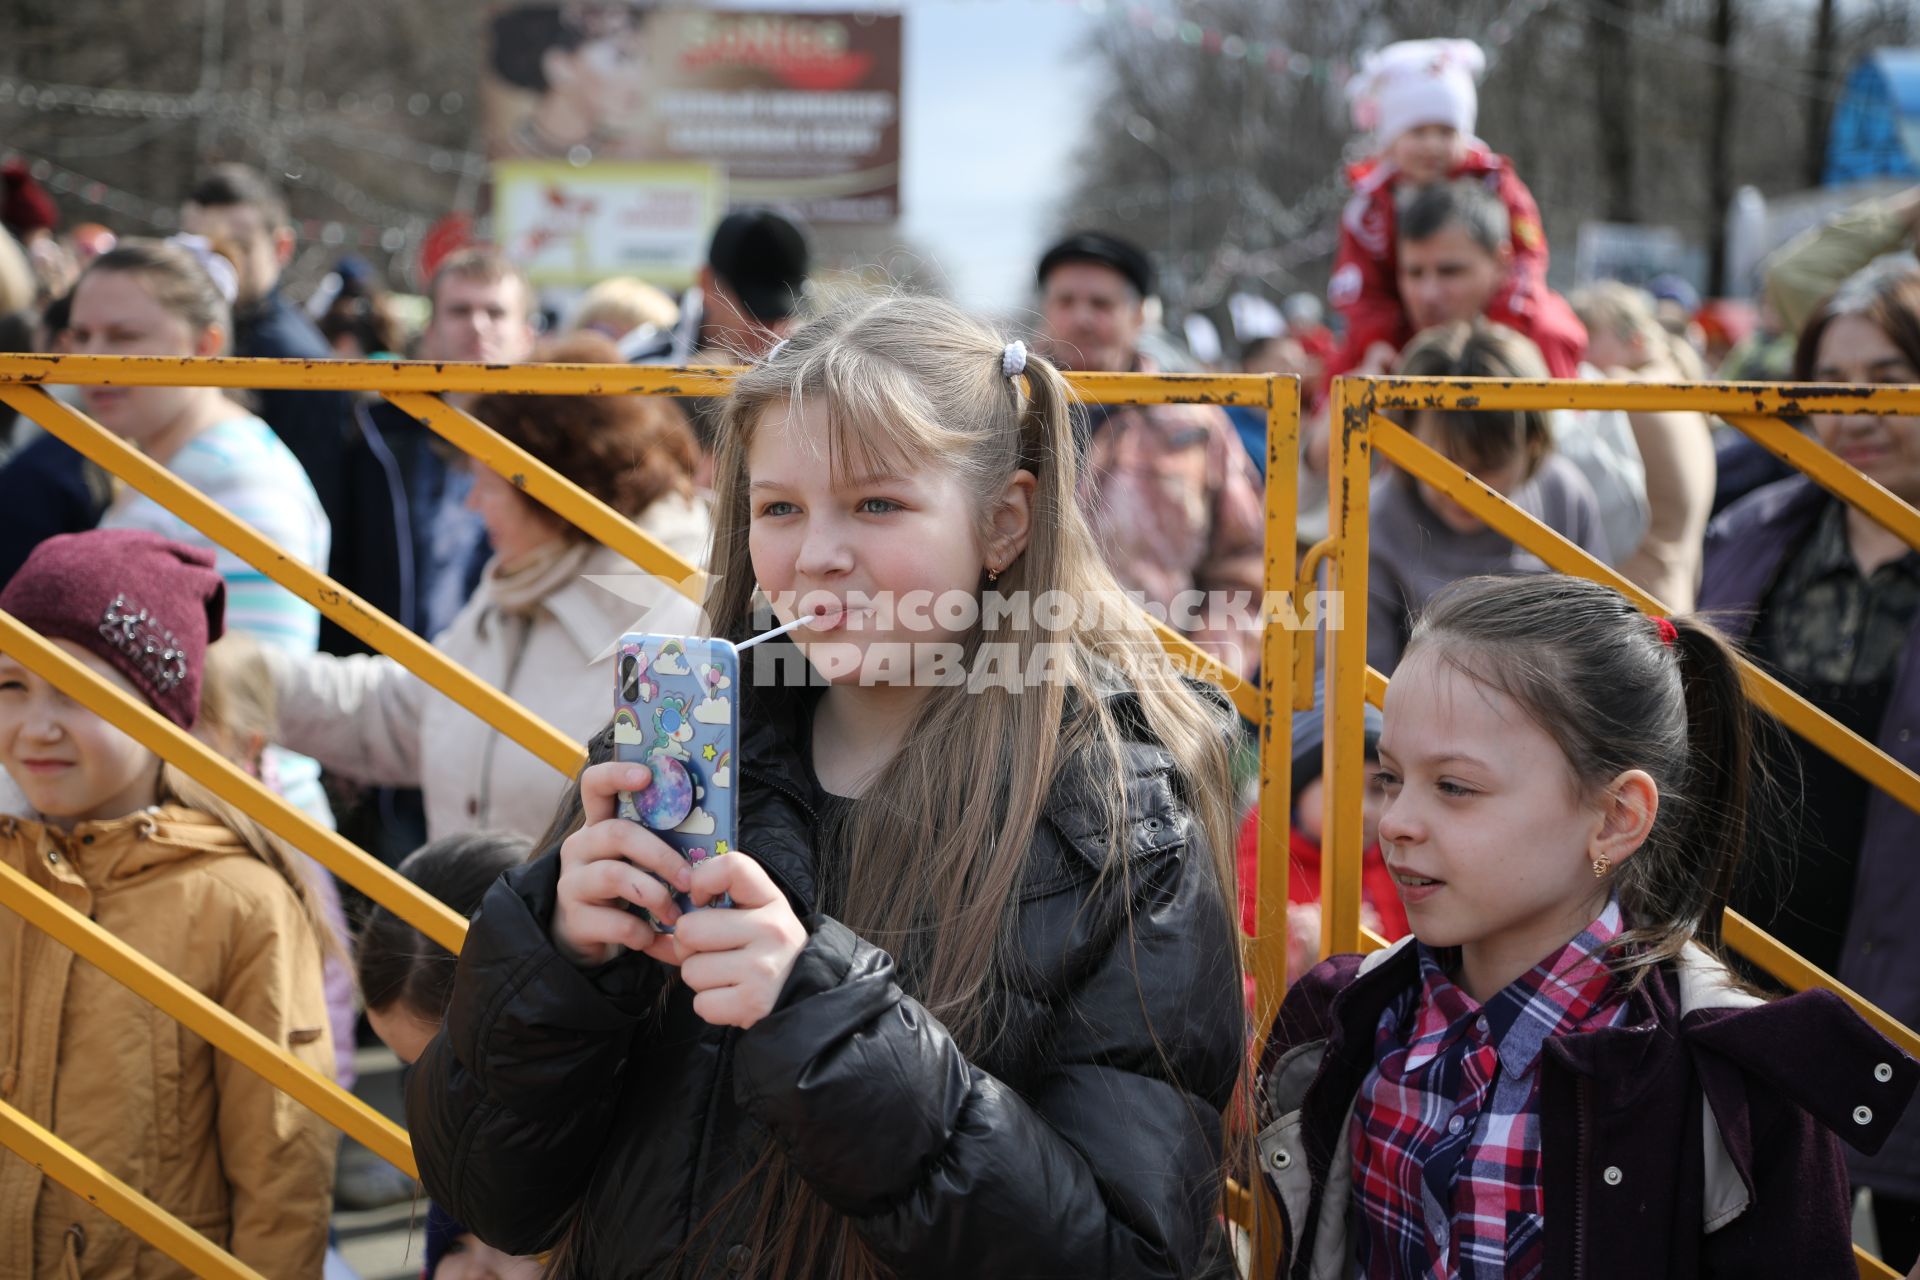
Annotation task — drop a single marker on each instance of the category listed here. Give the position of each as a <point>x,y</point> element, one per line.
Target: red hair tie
<point>1668,632</point>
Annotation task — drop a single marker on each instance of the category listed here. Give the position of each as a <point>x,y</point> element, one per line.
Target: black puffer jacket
<point>1070,1153</point>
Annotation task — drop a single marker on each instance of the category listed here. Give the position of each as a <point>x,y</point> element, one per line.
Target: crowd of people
<point>987,1019</point>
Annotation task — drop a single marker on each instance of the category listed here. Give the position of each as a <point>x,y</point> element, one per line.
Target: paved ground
<point>389,1243</point>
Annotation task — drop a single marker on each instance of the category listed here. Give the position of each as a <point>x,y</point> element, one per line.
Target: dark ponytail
<point>1606,683</point>
<point>399,965</point>
<point>1722,731</point>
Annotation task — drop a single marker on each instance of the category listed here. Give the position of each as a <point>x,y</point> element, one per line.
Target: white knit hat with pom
<point>1417,82</point>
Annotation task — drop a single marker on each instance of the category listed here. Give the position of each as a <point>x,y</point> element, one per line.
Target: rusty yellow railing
<point>164,738</point>
<point>416,388</point>
<point>1359,424</point>
<point>1287,655</point>
<point>100,1187</point>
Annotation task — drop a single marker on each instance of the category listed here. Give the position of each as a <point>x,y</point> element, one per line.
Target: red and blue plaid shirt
<point>1446,1132</point>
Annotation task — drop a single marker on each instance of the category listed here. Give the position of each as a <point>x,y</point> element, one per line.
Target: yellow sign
<point>570,224</point>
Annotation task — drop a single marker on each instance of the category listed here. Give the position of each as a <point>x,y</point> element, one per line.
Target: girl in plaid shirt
<point>1557,1075</point>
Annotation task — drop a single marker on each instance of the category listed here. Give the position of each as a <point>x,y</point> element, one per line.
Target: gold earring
<point>993,575</point>
<point>1600,865</point>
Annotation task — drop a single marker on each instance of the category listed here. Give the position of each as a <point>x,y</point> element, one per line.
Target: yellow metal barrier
<point>411,385</point>
<point>1268,958</point>
<point>1363,427</point>
<point>1794,972</point>
<point>1343,762</point>
<point>179,1001</point>
<point>1752,408</point>
<point>551,489</point>
<point>415,388</point>
<point>204,1018</point>
<point>1871,763</point>
<point>1869,1267</point>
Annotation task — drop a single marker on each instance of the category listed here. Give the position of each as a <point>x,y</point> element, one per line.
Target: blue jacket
<point>1746,548</point>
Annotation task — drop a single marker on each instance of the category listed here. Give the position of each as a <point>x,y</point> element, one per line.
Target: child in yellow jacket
<point>196,887</point>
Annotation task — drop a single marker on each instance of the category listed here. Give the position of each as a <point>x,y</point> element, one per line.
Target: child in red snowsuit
<point>1418,98</point>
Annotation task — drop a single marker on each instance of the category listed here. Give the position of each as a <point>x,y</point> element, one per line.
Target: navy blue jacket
<point>313,424</point>
<point>45,490</point>
<point>382,540</point>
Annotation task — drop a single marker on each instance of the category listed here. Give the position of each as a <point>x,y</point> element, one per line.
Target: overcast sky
<point>996,94</point>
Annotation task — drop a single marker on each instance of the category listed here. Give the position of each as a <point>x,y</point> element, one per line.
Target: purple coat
<point>1880,957</point>
<point>1695,1139</point>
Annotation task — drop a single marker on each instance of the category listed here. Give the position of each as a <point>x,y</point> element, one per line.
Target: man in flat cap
<point>1174,499</point>
<point>748,299</point>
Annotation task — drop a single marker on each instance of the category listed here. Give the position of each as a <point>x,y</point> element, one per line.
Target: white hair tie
<point>773,351</point>
<point>219,270</point>
<point>1013,360</point>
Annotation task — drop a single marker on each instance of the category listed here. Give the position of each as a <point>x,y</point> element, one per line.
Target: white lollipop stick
<point>795,625</point>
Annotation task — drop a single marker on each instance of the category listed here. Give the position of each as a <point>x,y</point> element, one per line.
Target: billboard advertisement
<point>572,225</point>
<point>799,110</point>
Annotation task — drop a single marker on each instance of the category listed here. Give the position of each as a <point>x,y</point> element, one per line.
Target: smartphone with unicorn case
<point>675,712</point>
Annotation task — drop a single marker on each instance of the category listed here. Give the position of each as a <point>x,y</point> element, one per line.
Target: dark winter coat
<point>1089,1144</point>
<point>312,424</point>
<point>1696,1139</point>
<point>45,489</point>
<point>381,548</point>
<point>1747,547</point>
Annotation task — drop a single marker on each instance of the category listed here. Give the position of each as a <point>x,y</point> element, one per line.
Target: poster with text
<point>800,110</point>
<point>568,224</point>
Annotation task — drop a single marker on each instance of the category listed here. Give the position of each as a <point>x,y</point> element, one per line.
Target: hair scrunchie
<point>1013,359</point>
<point>225,279</point>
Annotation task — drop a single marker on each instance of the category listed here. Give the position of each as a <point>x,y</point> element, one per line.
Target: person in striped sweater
<point>165,299</point>
<point>173,298</point>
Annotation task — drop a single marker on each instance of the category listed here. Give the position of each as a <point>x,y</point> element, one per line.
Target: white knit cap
<point>1417,82</point>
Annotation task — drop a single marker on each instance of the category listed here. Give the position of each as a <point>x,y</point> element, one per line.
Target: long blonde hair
<point>239,713</point>
<point>904,380</point>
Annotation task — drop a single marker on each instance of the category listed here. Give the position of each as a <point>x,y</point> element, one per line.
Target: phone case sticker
<point>672,728</point>
<point>672,658</point>
<point>714,708</point>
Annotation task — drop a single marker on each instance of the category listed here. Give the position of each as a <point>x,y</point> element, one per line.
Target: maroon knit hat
<point>24,204</point>
<point>147,605</point>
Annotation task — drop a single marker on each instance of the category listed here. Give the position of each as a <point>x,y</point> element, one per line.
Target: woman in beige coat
<point>541,628</point>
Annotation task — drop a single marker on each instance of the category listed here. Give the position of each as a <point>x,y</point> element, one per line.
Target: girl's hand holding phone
<point>610,863</point>
<point>737,962</point>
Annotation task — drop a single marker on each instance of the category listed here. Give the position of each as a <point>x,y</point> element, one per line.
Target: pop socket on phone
<point>667,799</point>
